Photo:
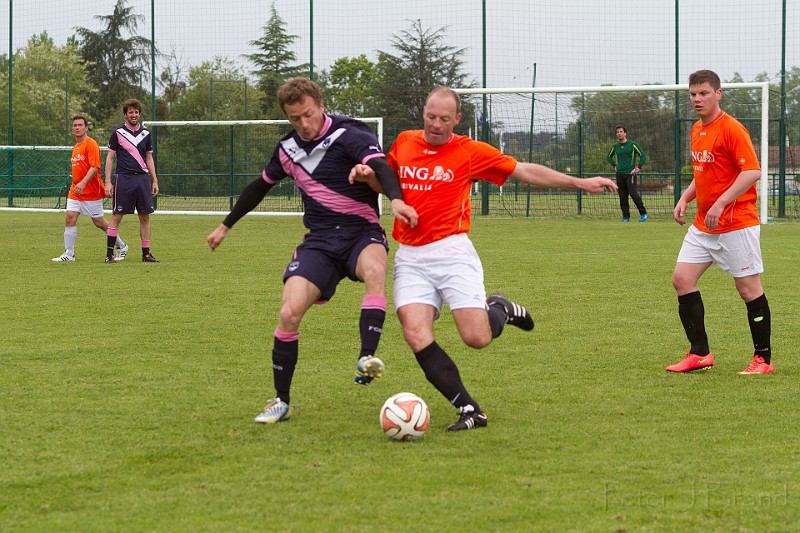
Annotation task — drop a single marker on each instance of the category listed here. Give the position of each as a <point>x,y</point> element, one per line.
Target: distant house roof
<point>792,156</point>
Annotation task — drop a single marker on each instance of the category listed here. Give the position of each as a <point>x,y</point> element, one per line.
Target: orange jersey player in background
<point>726,230</point>
<point>87,192</point>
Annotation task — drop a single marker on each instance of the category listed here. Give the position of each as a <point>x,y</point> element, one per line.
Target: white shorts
<point>738,252</point>
<point>92,208</point>
<point>447,271</point>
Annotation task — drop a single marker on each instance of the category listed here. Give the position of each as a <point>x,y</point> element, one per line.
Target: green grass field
<point>128,391</point>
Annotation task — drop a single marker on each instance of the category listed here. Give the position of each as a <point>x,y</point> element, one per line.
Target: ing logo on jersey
<point>424,173</point>
<point>703,156</point>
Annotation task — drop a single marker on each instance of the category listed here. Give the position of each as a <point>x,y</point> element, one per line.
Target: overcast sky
<point>572,42</point>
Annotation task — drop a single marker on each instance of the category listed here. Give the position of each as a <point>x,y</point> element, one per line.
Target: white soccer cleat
<point>121,253</point>
<point>275,411</point>
<point>66,256</point>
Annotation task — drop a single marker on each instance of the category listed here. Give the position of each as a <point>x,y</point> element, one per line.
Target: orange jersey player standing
<point>436,262</point>
<point>726,230</point>
<point>87,192</point>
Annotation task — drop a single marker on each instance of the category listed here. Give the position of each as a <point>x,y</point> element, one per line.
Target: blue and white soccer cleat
<point>369,367</point>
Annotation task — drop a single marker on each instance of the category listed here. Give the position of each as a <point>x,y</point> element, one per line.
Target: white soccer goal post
<point>583,122</point>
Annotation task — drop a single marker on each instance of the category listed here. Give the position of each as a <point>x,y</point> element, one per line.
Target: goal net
<point>572,129</point>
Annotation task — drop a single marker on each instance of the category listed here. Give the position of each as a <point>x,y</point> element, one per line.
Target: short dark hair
<point>131,103</point>
<point>449,92</point>
<point>295,91</point>
<point>705,76</point>
<point>620,127</point>
<point>80,117</point>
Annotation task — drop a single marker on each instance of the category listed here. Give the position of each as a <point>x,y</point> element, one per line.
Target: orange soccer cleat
<point>758,366</point>
<point>693,362</point>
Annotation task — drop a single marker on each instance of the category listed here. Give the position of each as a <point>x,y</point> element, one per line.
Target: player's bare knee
<point>289,319</point>
<point>476,339</point>
<point>681,283</point>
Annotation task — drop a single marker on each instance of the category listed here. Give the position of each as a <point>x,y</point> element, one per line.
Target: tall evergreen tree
<point>118,59</point>
<point>274,61</point>
<point>424,62</point>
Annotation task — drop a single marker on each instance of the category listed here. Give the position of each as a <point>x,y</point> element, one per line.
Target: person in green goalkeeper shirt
<point>627,158</point>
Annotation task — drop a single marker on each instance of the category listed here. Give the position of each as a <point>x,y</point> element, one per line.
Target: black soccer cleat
<point>148,258</point>
<point>468,419</point>
<point>516,315</point>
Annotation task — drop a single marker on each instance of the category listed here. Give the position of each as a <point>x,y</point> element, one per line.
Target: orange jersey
<point>436,182</point>
<point>86,155</point>
<point>720,151</point>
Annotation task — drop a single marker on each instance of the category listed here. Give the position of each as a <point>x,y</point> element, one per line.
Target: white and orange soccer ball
<point>404,416</point>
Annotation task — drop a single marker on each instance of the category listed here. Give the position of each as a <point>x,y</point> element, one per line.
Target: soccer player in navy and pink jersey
<point>345,238</point>
<point>136,182</point>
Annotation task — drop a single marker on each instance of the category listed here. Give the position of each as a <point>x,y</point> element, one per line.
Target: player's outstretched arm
<point>545,177</point>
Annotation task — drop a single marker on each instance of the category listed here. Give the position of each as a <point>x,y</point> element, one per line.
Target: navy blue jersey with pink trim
<point>320,168</point>
<point>131,149</point>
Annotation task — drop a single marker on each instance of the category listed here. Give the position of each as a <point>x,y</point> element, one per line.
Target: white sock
<point>120,244</point>
<point>70,235</point>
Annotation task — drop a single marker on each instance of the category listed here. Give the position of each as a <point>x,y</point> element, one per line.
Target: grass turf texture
<point>128,391</point>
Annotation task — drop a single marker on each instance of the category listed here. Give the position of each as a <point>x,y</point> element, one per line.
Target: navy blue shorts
<point>326,257</point>
<point>133,191</point>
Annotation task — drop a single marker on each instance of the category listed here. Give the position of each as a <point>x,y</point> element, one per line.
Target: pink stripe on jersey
<point>286,336</point>
<point>371,157</point>
<point>323,195</point>
<point>267,178</point>
<point>371,301</point>
<point>132,150</point>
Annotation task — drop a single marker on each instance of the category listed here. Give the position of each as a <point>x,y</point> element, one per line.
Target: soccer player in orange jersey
<point>726,230</point>
<point>87,192</point>
<point>436,262</point>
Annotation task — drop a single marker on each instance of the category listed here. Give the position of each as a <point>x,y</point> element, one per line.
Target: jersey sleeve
<point>741,148</point>
<point>490,164</point>
<point>274,171</point>
<point>611,154</point>
<point>113,142</point>
<point>93,153</point>
<point>363,143</point>
<point>641,154</point>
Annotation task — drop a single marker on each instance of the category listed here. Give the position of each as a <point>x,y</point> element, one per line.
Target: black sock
<point>497,318</point>
<point>692,313</point>
<point>758,316</point>
<point>370,326</point>
<point>110,243</point>
<point>443,374</point>
<point>284,361</point>
<point>145,250</point>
